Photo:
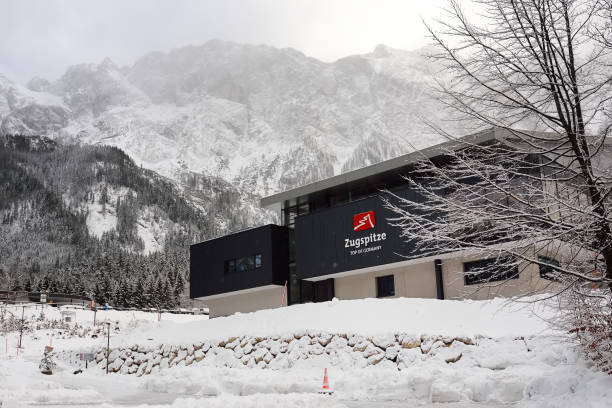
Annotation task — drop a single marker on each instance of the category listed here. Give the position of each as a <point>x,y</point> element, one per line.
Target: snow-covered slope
<point>265,118</point>
<point>516,360</point>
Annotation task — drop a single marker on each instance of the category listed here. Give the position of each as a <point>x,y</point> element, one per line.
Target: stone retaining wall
<point>278,352</point>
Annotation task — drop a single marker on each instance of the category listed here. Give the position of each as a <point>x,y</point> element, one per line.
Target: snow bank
<point>410,350</point>
<point>492,318</point>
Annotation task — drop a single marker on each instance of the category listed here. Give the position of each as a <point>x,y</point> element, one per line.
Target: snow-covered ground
<point>517,359</point>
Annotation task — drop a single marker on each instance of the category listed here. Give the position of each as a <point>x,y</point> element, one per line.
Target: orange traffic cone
<point>325,387</point>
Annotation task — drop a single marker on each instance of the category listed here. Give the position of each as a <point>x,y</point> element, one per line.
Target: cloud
<point>43,38</point>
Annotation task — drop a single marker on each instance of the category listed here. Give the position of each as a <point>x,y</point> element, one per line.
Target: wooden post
<point>107,345</point>
<point>21,328</point>
<point>284,294</point>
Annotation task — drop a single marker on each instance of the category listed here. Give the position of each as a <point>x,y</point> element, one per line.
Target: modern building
<point>336,240</point>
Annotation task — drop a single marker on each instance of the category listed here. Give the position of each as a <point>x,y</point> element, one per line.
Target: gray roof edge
<point>387,165</point>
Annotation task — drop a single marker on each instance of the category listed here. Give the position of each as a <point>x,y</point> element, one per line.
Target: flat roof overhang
<point>239,292</point>
<point>274,201</point>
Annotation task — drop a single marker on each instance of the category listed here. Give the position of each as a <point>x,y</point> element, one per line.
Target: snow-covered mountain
<point>264,118</point>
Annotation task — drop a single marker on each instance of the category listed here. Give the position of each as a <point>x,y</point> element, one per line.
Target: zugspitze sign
<point>364,221</point>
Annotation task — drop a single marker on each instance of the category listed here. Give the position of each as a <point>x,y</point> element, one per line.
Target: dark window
<point>230,266</point>
<point>490,270</point>
<point>546,268</point>
<point>385,286</point>
<point>244,264</point>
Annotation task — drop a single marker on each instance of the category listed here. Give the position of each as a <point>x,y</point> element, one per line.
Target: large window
<point>490,270</point>
<point>244,264</point>
<point>547,270</point>
<point>385,286</point>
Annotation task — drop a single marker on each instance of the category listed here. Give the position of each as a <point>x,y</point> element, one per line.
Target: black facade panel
<point>327,243</point>
<point>208,270</point>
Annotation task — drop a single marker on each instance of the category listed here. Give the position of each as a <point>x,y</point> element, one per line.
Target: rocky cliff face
<point>267,119</point>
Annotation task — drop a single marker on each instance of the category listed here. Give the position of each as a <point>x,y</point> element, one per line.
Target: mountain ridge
<point>259,116</point>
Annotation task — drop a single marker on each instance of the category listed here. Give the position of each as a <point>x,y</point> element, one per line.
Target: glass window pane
<point>385,286</point>
<point>546,268</point>
<point>490,270</point>
<point>242,264</point>
<point>258,261</point>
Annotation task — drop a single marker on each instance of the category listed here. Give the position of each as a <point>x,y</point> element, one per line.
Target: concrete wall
<point>410,281</point>
<point>247,302</point>
<point>420,281</point>
<point>528,282</point>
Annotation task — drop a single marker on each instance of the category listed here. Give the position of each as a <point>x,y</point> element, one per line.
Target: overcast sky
<point>44,37</point>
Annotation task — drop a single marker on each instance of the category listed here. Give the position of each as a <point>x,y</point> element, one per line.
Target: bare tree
<point>530,64</point>
<point>538,196</point>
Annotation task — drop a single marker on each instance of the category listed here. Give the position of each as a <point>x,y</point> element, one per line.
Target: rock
<point>384,341</point>
<point>410,342</point>
<point>406,357</point>
<point>232,345</point>
<point>325,339</point>
<point>267,358</point>
<point>114,354</point>
<point>205,347</point>
<point>189,360</point>
<point>361,346</point>
<point>392,352</point>
<point>448,340</point>
<point>375,359</point>
<point>337,343</point>
<point>198,355</point>
<point>426,344</point>
<point>132,369</point>
<point>164,363</point>
<point>124,369</point>
<point>238,353</point>
<point>141,370</point>
<point>261,364</point>
<point>247,349</point>
<point>299,334</point>
<point>190,349</point>
<point>354,339</point>
<point>259,354</point>
<point>453,359</point>
<point>465,340</point>
<point>157,359</point>
<point>316,349</point>
<point>181,355</point>
<point>100,356</point>
<point>275,347</point>
<point>165,350</point>
<point>428,348</point>
<point>372,350</point>
<point>279,363</point>
<point>128,362</point>
<point>116,365</point>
